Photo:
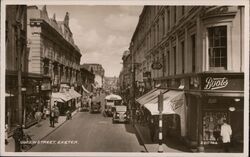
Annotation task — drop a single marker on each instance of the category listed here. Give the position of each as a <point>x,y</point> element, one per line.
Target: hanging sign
<point>156,65</point>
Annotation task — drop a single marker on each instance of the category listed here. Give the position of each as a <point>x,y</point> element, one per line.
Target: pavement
<point>38,132</point>
<point>172,145</point>
<point>169,145</point>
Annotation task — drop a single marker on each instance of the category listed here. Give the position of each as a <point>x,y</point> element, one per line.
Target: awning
<point>63,96</point>
<point>172,100</point>
<point>151,95</point>
<point>74,94</point>
<point>85,90</point>
<point>113,97</point>
<point>58,99</point>
<point>173,103</point>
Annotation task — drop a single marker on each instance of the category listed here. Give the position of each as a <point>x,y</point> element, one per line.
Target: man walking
<point>52,117</point>
<point>38,116</point>
<point>226,133</point>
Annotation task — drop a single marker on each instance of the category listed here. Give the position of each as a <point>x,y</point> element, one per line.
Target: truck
<point>95,105</point>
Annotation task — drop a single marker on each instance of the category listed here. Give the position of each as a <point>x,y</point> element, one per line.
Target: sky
<point>102,33</point>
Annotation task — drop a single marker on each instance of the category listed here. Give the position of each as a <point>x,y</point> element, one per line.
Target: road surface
<point>91,133</point>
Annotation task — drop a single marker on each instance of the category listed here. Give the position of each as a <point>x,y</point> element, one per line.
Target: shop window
<point>183,56</point>
<point>168,21</point>
<point>217,38</point>
<point>212,121</point>
<point>168,56</point>
<point>174,12</point>
<point>182,10</point>
<point>174,51</point>
<point>193,51</point>
<point>46,68</point>
<point>163,25</point>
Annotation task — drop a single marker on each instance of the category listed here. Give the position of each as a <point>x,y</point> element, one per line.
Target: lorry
<point>95,105</point>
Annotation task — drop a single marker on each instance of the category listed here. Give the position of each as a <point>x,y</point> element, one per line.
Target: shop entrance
<point>214,111</point>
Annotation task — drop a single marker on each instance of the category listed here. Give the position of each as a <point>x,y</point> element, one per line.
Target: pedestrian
<point>57,113</point>
<point>152,129</point>
<point>137,114</point>
<point>38,116</point>
<point>44,112</point>
<point>52,117</point>
<point>18,136</point>
<point>226,133</point>
<point>6,134</point>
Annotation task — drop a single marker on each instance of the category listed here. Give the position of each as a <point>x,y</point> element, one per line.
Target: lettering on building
<point>216,83</point>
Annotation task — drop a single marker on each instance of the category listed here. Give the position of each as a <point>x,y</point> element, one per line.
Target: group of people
<point>140,116</point>
<point>52,113</point>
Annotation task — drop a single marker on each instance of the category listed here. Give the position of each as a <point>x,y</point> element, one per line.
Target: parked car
<point>120,114</point>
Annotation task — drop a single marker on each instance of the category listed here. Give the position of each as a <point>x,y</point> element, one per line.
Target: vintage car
<point>120,114</point>
<point>111,101</point>
<point>85,104</point>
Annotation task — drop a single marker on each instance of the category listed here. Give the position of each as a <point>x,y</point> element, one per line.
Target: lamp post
<point>157,66</point>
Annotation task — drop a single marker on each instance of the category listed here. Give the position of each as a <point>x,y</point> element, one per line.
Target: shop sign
<point>156,66</point>
<point>215,83</point>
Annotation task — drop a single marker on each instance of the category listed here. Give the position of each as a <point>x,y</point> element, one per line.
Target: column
<point>200,146</point>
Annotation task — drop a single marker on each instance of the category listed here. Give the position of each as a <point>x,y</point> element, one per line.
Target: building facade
<point>53,57</point>
<point>16,63</point>
<point>200,49</point>
<point>125,77</point>
<point>98,71</point>
<point>87,78</point>
<point>111,84</point>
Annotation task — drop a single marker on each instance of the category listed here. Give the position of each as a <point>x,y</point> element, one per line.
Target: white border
<point>127,2</point>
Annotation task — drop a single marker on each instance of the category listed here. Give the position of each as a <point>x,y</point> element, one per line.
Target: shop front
<point>211,99</point>
<point>31,99</point>
<point>46,91</point>
<point>11,104</point>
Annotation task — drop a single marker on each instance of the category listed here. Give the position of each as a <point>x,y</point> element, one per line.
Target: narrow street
<point>93,133</point>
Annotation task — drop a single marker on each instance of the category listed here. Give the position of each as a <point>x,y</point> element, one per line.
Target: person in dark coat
<point>152,129</point>
<point>18,136</point>
<point>52,117</point>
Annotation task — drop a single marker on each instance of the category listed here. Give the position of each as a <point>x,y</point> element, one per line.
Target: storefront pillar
<point>200,146</point>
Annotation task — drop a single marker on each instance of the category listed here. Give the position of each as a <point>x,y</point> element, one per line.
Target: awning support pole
<point>160,108</point>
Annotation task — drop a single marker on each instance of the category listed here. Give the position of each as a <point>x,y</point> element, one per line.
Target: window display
<point>212,121</point>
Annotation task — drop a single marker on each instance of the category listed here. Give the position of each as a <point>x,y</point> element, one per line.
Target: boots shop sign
<point>212,83</point>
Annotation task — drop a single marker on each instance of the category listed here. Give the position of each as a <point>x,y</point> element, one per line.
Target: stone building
<point>200,49</point>
<point>87,78</point>
<point>125,76</point>
<point>99,73</point>
<point>53,57</point>
<point>16,64</point>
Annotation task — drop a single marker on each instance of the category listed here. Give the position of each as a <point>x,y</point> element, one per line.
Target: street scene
<point>124,78</point>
